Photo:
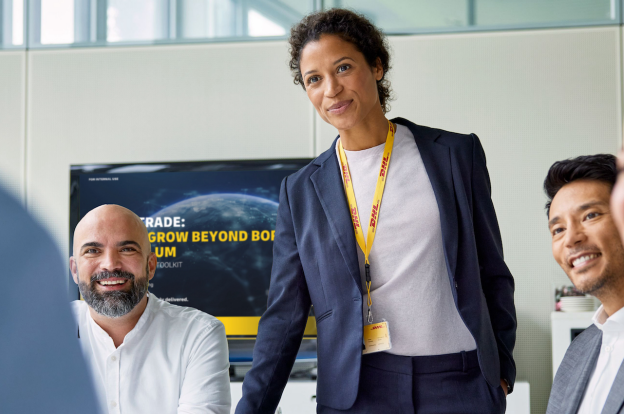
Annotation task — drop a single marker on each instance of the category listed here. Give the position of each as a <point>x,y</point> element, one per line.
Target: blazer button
<point>455,283</point>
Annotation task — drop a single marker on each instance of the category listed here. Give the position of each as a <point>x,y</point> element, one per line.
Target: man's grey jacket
<point>574,373</point>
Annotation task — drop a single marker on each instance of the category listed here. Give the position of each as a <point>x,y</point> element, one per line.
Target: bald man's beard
<point>116,303</point>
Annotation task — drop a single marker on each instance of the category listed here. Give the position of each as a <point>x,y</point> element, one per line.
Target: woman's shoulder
<point>455,140</point>
<point>298,180</point>
<point>463,146</point>
<point>304,174</point>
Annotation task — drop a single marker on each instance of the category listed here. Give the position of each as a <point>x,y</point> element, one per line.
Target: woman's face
<point>339,82</point>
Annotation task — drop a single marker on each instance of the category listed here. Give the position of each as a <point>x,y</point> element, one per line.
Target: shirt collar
<point>144,319</point>
<point>101,335</point>
<point>604,322</point>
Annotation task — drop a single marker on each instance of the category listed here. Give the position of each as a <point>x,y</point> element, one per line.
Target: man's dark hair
<point>351,27</point>
<point>601,167</point>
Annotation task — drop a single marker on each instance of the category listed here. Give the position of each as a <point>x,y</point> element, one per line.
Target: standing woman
<point>392,236</point>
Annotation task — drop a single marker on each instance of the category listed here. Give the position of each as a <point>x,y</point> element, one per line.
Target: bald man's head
<point>111,217</point>
<point>112,261</point>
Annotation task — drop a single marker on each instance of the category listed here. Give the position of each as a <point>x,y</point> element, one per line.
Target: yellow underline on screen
<point>248,325</point>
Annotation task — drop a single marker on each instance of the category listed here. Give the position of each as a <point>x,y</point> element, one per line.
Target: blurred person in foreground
<point>146,355</point>
<point>588,247</point>
<point>413,300</point>
<point>41,369</point>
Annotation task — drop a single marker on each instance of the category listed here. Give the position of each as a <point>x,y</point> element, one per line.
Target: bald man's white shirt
<point>174,361</point>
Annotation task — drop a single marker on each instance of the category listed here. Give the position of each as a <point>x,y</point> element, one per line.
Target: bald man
<point>146,355</point>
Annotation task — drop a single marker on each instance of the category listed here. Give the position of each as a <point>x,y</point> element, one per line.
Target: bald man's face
<point>112,262</point>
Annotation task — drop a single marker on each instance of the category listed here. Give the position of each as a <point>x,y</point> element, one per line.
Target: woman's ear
<point>378,70</point>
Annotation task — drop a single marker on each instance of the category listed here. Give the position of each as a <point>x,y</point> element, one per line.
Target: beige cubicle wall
<point>164,103</point>
<point>533,97</point>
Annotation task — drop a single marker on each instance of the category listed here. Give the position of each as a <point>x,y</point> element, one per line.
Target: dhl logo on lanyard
<point>367,243</point>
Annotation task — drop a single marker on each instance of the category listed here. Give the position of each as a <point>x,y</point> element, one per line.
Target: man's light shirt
<point>609,361</point>
<point>174,361</point>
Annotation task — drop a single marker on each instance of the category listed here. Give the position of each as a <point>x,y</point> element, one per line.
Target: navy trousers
<point>439,384</point>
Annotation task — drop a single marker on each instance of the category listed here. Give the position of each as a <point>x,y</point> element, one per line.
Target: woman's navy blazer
<point>315,262</point>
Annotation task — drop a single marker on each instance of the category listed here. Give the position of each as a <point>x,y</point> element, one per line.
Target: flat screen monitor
<point>211,225</point>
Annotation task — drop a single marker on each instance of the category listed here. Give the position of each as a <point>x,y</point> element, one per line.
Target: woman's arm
<point>282,325</point>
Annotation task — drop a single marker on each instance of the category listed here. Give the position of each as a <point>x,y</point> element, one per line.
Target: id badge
<point>376,338</point>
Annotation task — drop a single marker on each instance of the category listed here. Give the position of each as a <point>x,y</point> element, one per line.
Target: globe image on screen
<point>222,278</point>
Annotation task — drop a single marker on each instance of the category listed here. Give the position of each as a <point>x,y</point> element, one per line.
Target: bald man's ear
<point>152,260</point>
<point>74,269</point>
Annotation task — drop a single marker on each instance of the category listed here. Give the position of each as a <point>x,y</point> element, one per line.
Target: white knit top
<point>410,283</point>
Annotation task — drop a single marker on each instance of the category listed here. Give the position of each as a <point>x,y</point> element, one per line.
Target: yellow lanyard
<point>367,244</point>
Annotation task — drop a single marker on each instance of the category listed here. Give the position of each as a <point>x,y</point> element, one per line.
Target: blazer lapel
<point>615,399</point>
<point>329,188</point>
<point>437,160</point>
<point>587,357</point>
<point>436,157</point>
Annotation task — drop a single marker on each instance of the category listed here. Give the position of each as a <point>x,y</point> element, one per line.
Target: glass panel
<point>406,16</point>
<point>261,26</point>
<point>57,22</point>
<point>238,18</point>
<point>131,20</point>
<point>104,22</point>
<point>274,18</point>
<point>538,12</point>
<point>12,24</point>
<point>409,16</point>
<point>207,18</point>
<point>17,23</point>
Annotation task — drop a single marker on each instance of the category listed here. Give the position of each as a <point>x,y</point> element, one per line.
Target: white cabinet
<point>299,397</point>
<point>565,327</point>
<point>519,401</point>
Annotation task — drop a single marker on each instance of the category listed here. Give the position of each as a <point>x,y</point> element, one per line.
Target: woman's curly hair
<point>350,26</point>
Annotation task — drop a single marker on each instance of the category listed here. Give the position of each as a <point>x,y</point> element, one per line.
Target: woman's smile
<point>339,107</point>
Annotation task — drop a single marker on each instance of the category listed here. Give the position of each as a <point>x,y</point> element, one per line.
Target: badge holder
<point>376,338</point>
